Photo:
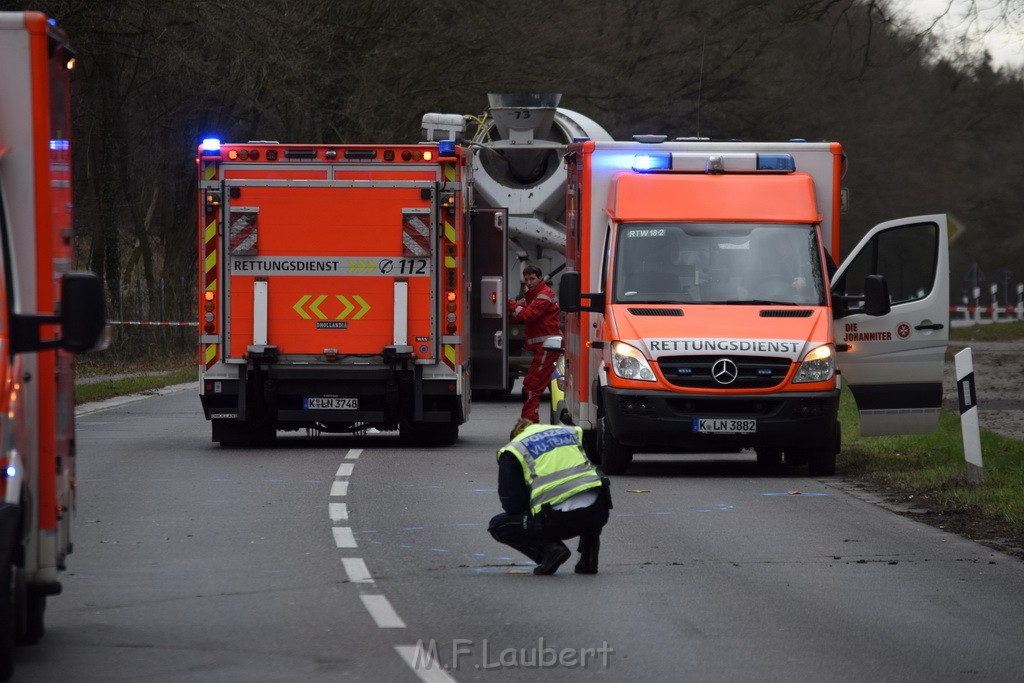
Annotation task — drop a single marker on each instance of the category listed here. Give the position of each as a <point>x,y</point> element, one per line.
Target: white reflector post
<point>401,313</point>
<point>969,415</point>
<point>259,313</point>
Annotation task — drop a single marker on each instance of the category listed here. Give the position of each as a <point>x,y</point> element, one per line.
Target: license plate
<point>330,403</point>
<point>724,426</point>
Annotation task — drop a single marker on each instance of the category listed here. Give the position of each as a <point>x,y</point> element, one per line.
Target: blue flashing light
<point>59,145</point>
<point>652,162</point>
<point>11,471</point>
<point>446,148</point>
<point>776,162</point>
<point>211,146</point>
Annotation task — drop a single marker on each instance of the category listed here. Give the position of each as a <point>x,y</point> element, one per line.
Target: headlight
<point>818,366</point>
<point>629,363</point>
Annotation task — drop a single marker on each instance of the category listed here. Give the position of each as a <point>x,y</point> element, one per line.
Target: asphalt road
<point>339,558</point>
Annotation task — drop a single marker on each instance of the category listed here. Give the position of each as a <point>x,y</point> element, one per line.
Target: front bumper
<point>663,421</point>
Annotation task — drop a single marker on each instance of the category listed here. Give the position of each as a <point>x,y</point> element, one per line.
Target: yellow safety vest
<point>554,463</point>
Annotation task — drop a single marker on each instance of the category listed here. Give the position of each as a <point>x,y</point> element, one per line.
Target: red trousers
<point>536,381</point>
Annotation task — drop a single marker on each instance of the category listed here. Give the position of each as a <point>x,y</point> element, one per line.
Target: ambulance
<point>335,288</point>
<point>46,313</point>
<point>702,316</point>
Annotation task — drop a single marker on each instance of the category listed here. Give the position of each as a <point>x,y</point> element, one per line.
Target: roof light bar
<point>211,146</point>
<point>446,148</point>
<point>652,162</point>
<point>776,162</point>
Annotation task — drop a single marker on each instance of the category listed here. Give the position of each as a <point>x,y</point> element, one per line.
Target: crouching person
<point>550,492</point>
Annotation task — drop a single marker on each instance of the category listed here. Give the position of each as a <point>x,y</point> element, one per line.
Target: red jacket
<point>539,315</point>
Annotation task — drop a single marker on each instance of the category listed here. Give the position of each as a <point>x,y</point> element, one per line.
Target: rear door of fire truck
<point>893,363</point>
<point>489,346</point>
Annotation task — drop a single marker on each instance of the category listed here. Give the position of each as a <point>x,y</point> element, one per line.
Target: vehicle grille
<point>695,372</point>
<point>669,312</point>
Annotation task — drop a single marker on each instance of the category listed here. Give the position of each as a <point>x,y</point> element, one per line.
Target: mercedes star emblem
<point>724,371</point>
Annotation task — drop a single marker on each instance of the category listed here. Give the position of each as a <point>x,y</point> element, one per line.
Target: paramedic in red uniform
<point>539,314</point>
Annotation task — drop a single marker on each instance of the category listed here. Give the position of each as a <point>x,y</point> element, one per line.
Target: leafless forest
<point>925,133</point>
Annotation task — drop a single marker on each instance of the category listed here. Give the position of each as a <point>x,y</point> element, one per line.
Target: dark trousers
<point>528,534</point>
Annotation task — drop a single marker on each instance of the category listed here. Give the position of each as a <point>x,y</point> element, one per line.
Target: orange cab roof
<point>747,197</point>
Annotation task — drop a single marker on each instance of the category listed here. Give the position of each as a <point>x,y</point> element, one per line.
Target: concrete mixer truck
<point>519,188</point>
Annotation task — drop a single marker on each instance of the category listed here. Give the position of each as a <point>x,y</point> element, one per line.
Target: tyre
<point>232,433</point>
<point>822,461</point>
<point>797,457</point>
<point>440,434</point>
<point>35,608</point>
<point>769,457</point>
<point>7,617</point>
<point>615,458</point>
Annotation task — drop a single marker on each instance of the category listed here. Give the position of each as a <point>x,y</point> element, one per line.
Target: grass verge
<point>121,386</point>
<point>929,469</point>
<point>927,472</point>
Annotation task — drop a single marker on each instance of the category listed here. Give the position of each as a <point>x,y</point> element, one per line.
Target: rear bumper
<point>663,421</point>
<point>276,392</point>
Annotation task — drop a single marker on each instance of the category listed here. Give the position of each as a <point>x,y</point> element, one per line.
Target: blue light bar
<point>59,145</point>
<point>211,146</point>
<point>446,148</point>
<point>776,162</point>
<point>652,162</point>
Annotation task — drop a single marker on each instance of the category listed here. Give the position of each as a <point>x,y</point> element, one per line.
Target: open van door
<point>893,363</point>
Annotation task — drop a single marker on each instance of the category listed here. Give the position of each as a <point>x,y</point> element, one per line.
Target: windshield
<point>732,263</point>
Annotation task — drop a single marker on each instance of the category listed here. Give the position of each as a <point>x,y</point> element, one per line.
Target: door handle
<point>933,326</point>
<point>499,340</point>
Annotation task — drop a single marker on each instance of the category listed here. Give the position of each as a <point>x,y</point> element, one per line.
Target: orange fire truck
<point>47,312</point>
<point>335,288</point>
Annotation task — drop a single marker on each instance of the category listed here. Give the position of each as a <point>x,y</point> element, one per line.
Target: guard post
<point>968,399</point>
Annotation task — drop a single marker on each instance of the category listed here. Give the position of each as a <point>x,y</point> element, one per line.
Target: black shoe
<point>552,556</point>
<point>587,564</point>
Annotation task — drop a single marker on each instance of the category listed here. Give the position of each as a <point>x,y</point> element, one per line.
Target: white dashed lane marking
<point>356,570</point>
<point>338,512</point>
<point>423,664</point>
<point>382,612</point>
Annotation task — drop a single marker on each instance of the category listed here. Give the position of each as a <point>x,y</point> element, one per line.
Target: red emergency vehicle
<point>46,312</point>
<point>708,320</point>
<point>335,288</point>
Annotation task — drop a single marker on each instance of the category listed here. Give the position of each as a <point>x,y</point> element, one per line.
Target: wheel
<point>429,434</point>
<point>35,608</point>
<point>8,619</point>
<point>822,461</point>
<point>797,457</point>
<point>232,433</point>
<point>615,458</point>
<point>769,457</point>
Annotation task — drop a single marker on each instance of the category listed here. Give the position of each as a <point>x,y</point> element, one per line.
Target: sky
<point>1004,41</point>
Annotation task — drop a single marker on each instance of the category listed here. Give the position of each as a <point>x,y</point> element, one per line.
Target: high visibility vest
<point>554,463</point>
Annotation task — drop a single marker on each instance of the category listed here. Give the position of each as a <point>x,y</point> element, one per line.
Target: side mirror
<point>82,318</point>
<point>570,297</point>
<point>876,295</point>
<point>569,292</point>
<point>82,315</point>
